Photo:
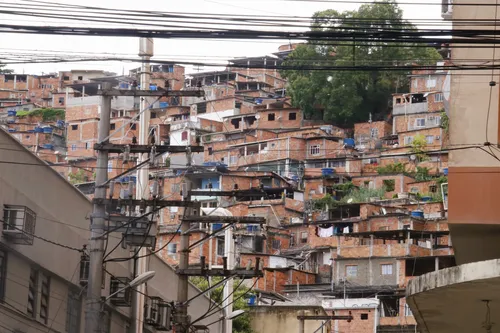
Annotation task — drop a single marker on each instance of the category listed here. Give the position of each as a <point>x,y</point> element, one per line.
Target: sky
<point>185,49</point>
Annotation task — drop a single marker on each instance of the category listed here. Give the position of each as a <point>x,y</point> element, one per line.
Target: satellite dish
<point>413,157</point>
<point>349,200</point>
<point>257,116</point>
<point>384,211</point>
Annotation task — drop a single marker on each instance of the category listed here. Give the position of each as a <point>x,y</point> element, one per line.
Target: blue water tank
<point>417,213</point>
<point>12,113</point>
<point>47,130</point>
<point>11,130</point>
<point>349,142</point>
<point>38,130</point>
<point>153,88</point>
<point>216,226</point>
<point>327,172</point>
<point>60,123</point>
<point>426,199</point>
<point>445,171</point>
<point>251,300</point>
<point>47,146</point>
<point>163,104</point>
<point>258,101</point>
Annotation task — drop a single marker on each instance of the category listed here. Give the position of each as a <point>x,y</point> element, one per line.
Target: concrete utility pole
<point>93,319</point>
<point>228,287</point>
<point>181,319</point>
<point>142,187</point>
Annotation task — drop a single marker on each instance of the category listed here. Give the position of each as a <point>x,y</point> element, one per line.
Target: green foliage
<point>241,324</point>
<point>349,96</point>
<point>419,147</point>
<point>445,121</point>
<point>48,114</point>
<point>441,180</point>
<point>78,177</point>
<point>167,162</point>
<point>389,184</point>
<point>395,196</point>
<point>323,203</point>
<point>363,194</point>
<point>422,174</point>
<point>395,168</point>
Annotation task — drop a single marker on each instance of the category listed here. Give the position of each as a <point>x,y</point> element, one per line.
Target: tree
<point>4,70</point>
<point>349,96</point>
<point>241,324</point>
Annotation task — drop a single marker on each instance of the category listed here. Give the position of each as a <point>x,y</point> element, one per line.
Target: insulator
<point>154,189</point>
<point>111,189</point>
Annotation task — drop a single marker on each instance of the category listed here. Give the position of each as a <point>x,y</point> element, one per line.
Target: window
<point>110,166</point>
<point>32,292</point>
<point>438,97</point>
<point>65,78</point>
<point>433,188</point>
<point>386,269</point>
<point>44,299</point>
<point>153,115</point>
<point>73,147</point>
<point>172,249</point>
<point>374,133</point>
<point>19,222</point>
<point>184,136</point>
<point>61,100</point>
<point>270,117</point>
<point>74,127</point>
<point>351,270</point>
<point>292,239</point>
<point>431,82</point>
<point>292,116</point>
<point>210,151</point>
<point>112,126</point>
<point>133,126</point>
<point>276,244</point>
<point>364,316</point>
<point>420,122</point>
<point>3,273</point>
<point>220,247</point>
<point>389,184</point>
<point>213,204</point>
<point>408,140</point>
<point>314,149</point>
<point>80,78</point>
<point>233,160</point>
<point>429,139</point>
<point>303,237</point>
<point>87,145</point>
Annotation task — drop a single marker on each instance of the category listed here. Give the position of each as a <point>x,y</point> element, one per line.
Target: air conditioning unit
<point>438,137</point>
<point>124,296</point>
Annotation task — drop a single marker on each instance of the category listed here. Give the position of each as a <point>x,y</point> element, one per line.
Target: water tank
<point>11,130</point>
<point>349,142</point>
<point>48,146</point>
<point>216,226</point>
<point>252,300</point>
<point>163,104</point>
<point>153,88</point>
<point>11,113</point>
<point>38,130</point>
<point>417,213</point>
<point>60,123</point>
<point>445,171</point>
<point>326,172</point>
<point>47,130</point>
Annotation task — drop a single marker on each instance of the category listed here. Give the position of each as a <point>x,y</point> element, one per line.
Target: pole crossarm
<point>152,93</point>
<point>325,317</point>
<point>225,219</point>
<point>240,273</point>
<point>156,203</point>
<point>135,149</point>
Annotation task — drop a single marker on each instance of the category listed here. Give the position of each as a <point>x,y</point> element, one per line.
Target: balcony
<point>410,108</point>
<point>19,224</point>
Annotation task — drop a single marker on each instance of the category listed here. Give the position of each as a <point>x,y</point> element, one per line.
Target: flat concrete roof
<point>452,300</point>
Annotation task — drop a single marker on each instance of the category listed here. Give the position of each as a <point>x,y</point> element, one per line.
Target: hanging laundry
<point>346,230</point>
<point>325,232</point>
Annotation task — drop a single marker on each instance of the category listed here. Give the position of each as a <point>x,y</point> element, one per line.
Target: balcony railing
<point>410,108</point>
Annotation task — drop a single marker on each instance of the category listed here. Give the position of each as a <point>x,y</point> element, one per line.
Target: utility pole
<point>228,287</point>
<point>93,319</point>
<point>181,317</point>
<point>142,186</point>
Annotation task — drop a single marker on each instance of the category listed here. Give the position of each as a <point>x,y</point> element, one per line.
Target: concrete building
<point>42,274</point>
<point>464,298</point>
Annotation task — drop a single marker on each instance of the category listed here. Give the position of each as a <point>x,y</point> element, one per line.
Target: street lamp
<point>235,314</point>
<point>140,279</point>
